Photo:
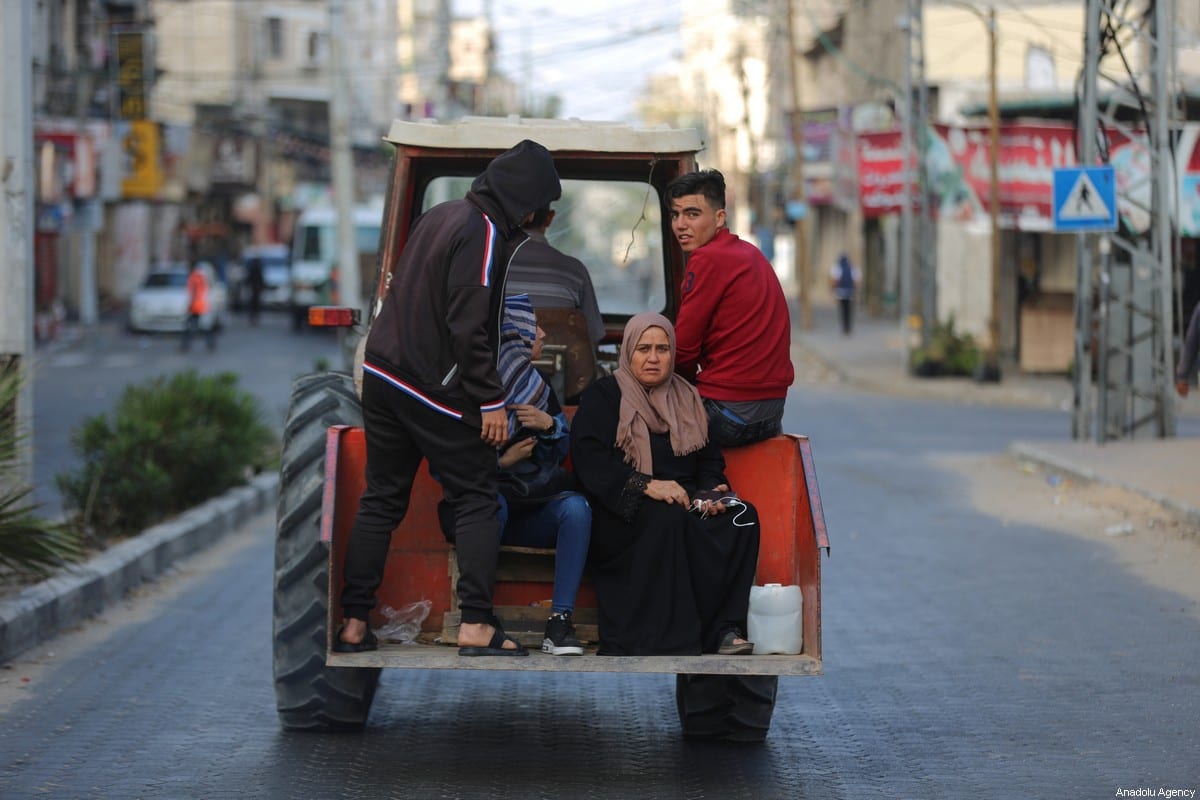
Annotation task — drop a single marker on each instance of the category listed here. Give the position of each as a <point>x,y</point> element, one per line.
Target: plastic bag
<point>403,624</point>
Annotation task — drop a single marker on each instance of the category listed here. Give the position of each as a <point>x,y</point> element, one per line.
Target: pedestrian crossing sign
<point>1085,199</point>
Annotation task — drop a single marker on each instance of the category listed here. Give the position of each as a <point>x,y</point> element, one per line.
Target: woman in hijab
<point>673,550</point>
<point>537,508</point>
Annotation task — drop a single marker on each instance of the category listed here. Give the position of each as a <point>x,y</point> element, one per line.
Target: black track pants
<point>399,432</point>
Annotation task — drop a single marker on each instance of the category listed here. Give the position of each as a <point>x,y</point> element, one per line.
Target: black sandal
<point>496,646</point>
<point>368,643</point>
<point>728,648</point>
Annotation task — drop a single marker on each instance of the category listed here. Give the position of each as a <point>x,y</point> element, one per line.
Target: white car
<point>161,303</point>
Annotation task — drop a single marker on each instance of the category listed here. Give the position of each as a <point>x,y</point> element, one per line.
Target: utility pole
<point>800,226</point>
<point>926,256</point>
<point>88,211</point>
<point>1081,417</point>
<point>342,165</point>
<point>1135,367</point>
<point>16,216</point>
<point>993,369</point>
<point>442,101</point>
<point>753,179</point>
<point>906,209</point>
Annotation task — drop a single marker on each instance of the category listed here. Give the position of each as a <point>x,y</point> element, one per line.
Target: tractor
<point>611,217</point>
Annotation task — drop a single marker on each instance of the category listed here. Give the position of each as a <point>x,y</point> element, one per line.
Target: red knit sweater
<point>733,332</point>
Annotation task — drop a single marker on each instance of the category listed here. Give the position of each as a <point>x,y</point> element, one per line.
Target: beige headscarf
<point>672,407</point>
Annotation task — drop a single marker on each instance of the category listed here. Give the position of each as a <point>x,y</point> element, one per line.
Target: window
<point>274,37</point>
<point>316,47</point>
<point>613,227</point>
<point>159,280</point>
<point>319,242</point>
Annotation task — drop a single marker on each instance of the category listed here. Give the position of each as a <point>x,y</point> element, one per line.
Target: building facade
<point>177,129</point>
<point>851,60</point>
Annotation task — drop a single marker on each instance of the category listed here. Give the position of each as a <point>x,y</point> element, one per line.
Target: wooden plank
<point>526,624</point>
<point>432,656</point>
<point>515,564</point>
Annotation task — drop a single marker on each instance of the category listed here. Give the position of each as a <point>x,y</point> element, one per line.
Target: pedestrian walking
<point>844,278</point>
<point>254,282</point>
<point>199,311</point>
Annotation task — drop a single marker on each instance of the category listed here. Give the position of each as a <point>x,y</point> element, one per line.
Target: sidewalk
<point>872,360</point>
<point>38,613</point>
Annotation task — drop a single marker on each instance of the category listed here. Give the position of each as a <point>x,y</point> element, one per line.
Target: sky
<point>595,55</point>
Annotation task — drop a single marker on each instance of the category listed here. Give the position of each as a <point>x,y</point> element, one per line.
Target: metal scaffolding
<point>1127,87</point>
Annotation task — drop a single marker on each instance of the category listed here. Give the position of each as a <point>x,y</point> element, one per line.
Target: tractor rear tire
<point>308,694</point>
<point>733,708</point>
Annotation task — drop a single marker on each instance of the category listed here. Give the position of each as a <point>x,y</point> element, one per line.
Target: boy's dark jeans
<point>729,430</point>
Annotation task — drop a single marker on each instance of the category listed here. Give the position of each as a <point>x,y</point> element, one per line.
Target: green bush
<point>173,443</point>
<point>948,353</point>
<point>29,545</point>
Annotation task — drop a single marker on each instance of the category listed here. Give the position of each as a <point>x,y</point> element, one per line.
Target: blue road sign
<point>1085,199</point>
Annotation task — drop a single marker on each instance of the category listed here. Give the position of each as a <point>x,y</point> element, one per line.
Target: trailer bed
<point>439,656</point>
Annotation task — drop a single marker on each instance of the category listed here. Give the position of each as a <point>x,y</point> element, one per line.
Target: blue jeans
<point>727,429</point>
<point>564,524</point>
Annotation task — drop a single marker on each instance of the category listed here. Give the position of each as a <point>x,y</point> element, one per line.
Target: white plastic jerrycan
<point>775,621</point>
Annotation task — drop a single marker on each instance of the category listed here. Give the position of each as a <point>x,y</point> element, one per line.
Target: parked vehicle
<point>610,217</point>
<point>314,257</point>
<point>160,305</point>
<point>275,260</point>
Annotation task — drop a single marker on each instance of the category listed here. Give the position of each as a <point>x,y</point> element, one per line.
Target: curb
<point>1030,452</point>
<point>81,591</point>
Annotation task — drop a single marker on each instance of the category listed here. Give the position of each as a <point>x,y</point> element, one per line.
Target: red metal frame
<point>415,165</point>
<point>776,476</point>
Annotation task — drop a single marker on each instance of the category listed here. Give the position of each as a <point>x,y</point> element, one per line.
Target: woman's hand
<point>533,418</point>
<point>517,453</point>
<point>668,492</point>
<point>714,507</point>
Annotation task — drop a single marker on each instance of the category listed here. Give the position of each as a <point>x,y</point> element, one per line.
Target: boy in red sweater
<point>733,331</point>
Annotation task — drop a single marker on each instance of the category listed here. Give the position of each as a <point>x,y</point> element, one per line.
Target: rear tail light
<point>332,316</point>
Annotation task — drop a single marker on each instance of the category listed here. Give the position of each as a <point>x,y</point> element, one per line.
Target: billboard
<point>130,50</point>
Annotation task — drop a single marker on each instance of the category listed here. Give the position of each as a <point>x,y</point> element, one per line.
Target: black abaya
<point>668,582</point>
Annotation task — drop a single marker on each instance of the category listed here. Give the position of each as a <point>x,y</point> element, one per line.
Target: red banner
<point>880,173</point>
<point>66,164</point>
<point>1028,156</point>
<point>959,175</point>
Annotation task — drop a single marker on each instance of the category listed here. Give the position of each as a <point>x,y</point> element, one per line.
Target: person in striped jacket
<point>431,390</point>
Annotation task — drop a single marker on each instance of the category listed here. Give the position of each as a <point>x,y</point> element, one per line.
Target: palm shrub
<point>948,353</point>
<point>172,443</point>
<point>30,546</point>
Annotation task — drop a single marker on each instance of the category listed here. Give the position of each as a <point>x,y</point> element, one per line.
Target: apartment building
<point>852,59</point>
<point>189,128</point>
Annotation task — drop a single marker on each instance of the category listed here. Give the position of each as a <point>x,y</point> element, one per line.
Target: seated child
<point>537,506</point>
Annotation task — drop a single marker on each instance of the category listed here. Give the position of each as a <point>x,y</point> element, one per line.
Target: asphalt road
<point>85,373</point>
<point>966,656</point>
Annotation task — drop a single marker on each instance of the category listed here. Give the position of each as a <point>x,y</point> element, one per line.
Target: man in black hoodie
<point>431,390</point>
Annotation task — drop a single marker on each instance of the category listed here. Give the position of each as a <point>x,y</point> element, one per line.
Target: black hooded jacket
<point>437,333</point>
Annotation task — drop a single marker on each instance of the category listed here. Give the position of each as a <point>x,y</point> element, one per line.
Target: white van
<point>314,254</point>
